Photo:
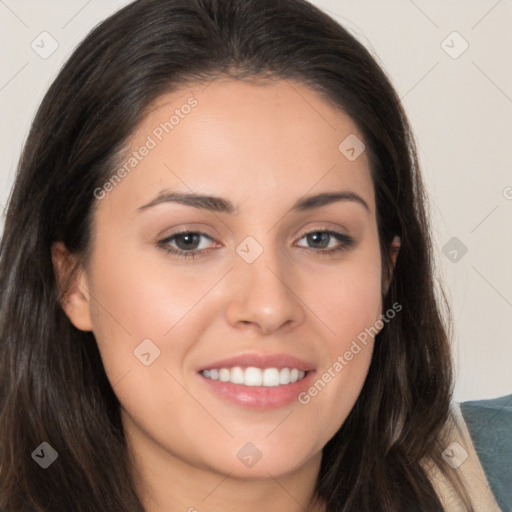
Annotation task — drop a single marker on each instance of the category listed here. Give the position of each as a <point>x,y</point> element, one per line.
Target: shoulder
<point>489,423</point>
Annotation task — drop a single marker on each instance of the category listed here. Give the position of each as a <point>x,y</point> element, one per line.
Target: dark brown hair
<point>53,386</point>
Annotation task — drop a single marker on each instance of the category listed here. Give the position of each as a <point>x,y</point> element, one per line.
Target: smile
<point>252,376</point>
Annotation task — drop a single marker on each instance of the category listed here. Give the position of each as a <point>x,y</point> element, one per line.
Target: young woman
<point>217,283</point>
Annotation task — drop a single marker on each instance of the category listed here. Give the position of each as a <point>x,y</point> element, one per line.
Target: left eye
<point>322,238</point>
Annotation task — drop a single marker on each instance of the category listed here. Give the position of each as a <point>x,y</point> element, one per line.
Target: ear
<point>73,288</point>
<point>394,249</point>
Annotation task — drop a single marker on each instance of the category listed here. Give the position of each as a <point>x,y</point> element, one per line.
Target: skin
<point>263,147</point>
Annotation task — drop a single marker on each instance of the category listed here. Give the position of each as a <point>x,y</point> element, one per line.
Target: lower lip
<point>259,397</point>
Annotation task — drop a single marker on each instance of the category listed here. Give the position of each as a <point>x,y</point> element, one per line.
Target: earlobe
<point>73,287</point>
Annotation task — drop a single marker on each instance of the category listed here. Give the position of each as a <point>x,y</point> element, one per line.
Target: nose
<point>263,296</point>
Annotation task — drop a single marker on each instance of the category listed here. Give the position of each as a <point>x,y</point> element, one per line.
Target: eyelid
<point>323,227</point>
<point>195,227</point>
<point>333,232</point>
<point>168,238</point>
<point>345,241</point>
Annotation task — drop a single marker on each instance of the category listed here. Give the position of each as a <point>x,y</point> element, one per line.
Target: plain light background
<point>458,99</point>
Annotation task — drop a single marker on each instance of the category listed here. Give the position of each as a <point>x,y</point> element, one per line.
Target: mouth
<point>258,381</point>
<point>255,377</point>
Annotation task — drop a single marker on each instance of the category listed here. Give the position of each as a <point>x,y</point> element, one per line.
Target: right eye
<point>184,243</point>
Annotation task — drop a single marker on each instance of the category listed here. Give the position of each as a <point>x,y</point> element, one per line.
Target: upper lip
<point>279,361</point>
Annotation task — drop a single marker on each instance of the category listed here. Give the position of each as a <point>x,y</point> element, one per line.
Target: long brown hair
<point>53,387</point>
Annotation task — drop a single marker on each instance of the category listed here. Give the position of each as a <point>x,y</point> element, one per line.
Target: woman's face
<point>262,294</point>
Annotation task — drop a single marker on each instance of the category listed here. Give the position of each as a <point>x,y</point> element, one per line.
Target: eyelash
<point>346,243</point>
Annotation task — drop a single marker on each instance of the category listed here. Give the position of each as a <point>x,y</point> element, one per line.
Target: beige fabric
<point>469,469</point>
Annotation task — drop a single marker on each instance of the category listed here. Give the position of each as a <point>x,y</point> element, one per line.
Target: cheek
<point>347,299</point>
<point>134,300</point>
<point>137,301</point>
<point>139,298</point>
<point>350,306</point>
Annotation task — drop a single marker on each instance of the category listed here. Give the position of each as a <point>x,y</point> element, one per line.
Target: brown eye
<point>185,243</point>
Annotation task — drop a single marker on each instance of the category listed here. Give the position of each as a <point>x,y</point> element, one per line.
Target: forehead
<point>271,141</point>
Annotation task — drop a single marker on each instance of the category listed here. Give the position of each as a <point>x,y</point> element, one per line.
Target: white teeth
<point>271,377</point>
<point>284,376</point>
<point>251,376</point>
<point>224,375</point>
<point>237,375</point>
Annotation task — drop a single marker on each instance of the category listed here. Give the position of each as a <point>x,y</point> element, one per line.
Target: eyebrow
<point>220,205</point>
